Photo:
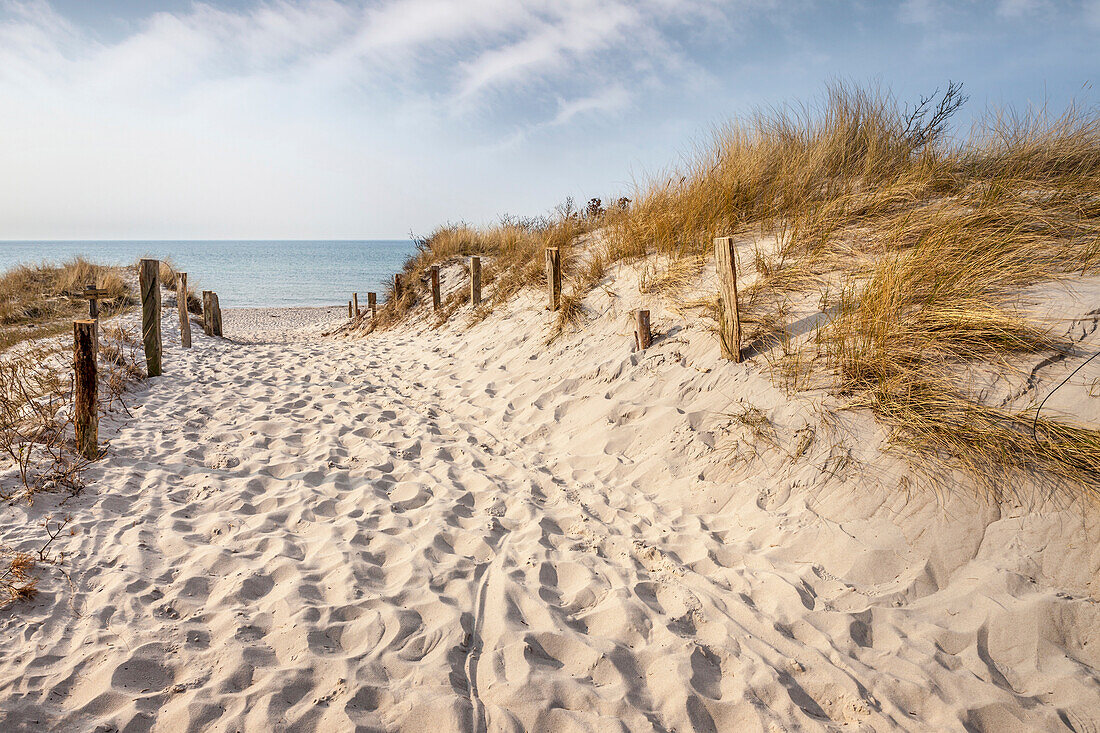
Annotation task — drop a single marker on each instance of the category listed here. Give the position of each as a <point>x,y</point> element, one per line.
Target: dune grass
<point>512,252</point>
<point>915,243</point>
<point>41,300</point>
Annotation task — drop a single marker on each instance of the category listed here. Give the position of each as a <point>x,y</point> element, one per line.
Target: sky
<point>319,119</point>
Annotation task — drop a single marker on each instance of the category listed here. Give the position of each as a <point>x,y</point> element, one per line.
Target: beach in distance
<point>246,274</point>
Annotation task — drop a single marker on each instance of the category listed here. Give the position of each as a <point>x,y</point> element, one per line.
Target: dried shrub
<point>35,421</point>
<point>16,581</point>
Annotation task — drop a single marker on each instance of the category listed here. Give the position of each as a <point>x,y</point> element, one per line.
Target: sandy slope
<point>474,532</point>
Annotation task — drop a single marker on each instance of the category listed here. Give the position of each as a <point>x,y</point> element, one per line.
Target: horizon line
<point>232,239</point>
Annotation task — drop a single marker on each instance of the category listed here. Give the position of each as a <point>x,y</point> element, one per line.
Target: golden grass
<point>915,244</point>
<point>512,258</point>
<point>41,300</point>
<point>920,245</point>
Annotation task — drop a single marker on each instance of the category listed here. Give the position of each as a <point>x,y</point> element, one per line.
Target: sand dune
<point>472,531</point>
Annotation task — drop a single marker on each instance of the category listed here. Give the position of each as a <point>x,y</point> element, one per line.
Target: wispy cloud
<point>609,100</point>
<point>456,52</point>
<point>342,117</point>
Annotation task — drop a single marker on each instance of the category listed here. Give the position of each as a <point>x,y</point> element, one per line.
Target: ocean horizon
<point>244,273</point>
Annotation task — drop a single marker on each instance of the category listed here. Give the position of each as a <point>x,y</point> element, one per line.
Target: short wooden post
<point>181,306</point>
<point>208,312</point>
<point>372,304</point>
<point>355,302</point>
<point>643,337</point>
<point>217,325</point>
<point>553,276</point>
<point>397,287</point>
<point>729,319</point>
<point>436,305</point>
<point>149,279</point>
<point>475,280</point>
<point>349,310</point>
<point>85,409</point>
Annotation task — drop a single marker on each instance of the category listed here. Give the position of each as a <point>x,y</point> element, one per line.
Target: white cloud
<point>608,100</point>
<point>572,35</point>
<point>458,51</point>
<point>214,114</point>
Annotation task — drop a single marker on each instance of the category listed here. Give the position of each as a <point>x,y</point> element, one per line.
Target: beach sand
<point>469,530</point>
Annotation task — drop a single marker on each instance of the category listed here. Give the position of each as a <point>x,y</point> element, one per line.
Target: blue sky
<point>323,119</point>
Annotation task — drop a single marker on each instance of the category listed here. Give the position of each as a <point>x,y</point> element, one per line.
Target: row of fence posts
<point>86,345</point>
<point>86,332</point>
<point>437,298</point>
<point>729,320</point>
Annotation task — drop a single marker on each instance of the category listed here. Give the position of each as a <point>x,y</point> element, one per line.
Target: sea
<point>245,274</point>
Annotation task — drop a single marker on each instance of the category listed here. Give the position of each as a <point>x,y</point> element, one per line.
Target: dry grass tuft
<point>167,274</point>
<point>16,581</point>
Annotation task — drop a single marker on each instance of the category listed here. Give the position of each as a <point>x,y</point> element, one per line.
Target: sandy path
<point>326,535</point>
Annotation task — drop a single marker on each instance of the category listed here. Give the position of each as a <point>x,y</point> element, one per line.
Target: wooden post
<point>372,304</point>
<point>349,309</point>
<point>397,287</point>
<point>729,319</point>
<point>475,281</point>
<point>355,301</point>
<point>208,312</point>
<point>85,410</point>
<point>553,276</point>
<point>435,288</point>
<point>181,306</point>
<point>217,325</point>
<point>643,337</point>
<point>149,279</point>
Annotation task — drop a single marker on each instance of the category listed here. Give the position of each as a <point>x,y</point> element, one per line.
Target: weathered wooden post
<point>217,325</point>
<point>372,304</point>
<point>149,279</point>
<point>643,337</point>
<point>349,310</point>
<point>85,410</point>
<point>436,305</point>
<point>729,319</point>
<point>355,301</point>
<point>208,312</point>
<point>181,306</point>
<point>553,276</point>
<point>475,281</point>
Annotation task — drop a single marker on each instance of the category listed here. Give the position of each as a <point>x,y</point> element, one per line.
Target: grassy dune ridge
<point>915,243</point>
<point>41,300</point>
